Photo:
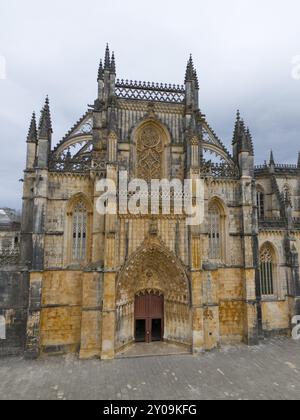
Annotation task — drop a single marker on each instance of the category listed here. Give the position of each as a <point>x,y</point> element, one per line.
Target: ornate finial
<point>113,64</point>
<point>100,71</point>
<point>196,79</point>
<point>32,133</point>
<point>190,71</point>
<point>250,141</point>
<point>272,160</point>
<point>68,155</point>
<point>45,124</point>
<point>107,58</point>
<point>239,130</point>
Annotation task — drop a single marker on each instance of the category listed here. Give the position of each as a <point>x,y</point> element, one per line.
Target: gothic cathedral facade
<point>98,283</point>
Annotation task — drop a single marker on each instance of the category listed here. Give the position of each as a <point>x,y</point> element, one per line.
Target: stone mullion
<point>109,281</point>
<point>250,302</point>
<point>36,275</point>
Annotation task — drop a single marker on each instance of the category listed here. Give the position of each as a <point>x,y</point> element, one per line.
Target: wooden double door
<point>149,318</point>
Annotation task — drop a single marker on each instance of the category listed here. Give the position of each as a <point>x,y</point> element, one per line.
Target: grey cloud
<point>242,49</point>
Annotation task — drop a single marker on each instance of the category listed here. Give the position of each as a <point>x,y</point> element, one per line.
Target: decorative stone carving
<point>149,153</point>
<point>154,269</point>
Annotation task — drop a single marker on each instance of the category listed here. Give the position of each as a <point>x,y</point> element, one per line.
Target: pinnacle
<point>113,63</point>
<point>45,124</point>
<point>32,133</point>
<point>107,58</point>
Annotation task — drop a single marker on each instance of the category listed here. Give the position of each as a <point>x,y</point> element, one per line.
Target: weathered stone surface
<point>85,269</point>
<point>13,307</point>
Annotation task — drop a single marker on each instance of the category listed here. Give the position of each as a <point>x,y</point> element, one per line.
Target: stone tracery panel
<point>149,153</point>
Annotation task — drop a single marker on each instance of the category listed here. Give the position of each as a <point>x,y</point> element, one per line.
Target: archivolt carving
<point>153,267</point>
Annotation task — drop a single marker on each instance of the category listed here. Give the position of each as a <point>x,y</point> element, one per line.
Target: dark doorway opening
<point>149,318</point>
<point>140,330</point>
<point>156,330</point>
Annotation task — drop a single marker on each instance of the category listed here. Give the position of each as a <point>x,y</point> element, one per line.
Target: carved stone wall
<point>154,268</point>
<point>149,153</point>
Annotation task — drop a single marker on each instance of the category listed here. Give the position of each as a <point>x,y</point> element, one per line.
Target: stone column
<point>196,289</point>
<point>109,316</point>
<point>211,313</point>
<point>250,301</point>
<point>36,274</point>
<point>91,315</point>
<point>109,280</point>
<point>34,316</point>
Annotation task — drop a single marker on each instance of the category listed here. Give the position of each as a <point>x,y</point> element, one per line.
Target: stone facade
<point>86,269</point>
<point>13,284</point>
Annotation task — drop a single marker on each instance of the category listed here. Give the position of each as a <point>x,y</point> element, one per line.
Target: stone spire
<point>242,137</point>
<point>113,64</point>
<point>272,160</point>
<point>32,133</point>
<point>107,58</point>
<point>250,141</point>
<point>100,71</point>
<point>196,80</point>
<point>191,86</point>
<point>45,124</point>
<point>237,128</point>
<point>242,140</point>
<point>191,73</point>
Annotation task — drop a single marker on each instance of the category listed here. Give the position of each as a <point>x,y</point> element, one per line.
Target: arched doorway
<point>149,317</point>
<point>153,270</point>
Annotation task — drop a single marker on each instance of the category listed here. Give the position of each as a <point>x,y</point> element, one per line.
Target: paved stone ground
<point>269,371</point>
<point>154,349</point>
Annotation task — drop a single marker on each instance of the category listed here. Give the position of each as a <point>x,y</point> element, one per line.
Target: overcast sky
<point>243,50</point>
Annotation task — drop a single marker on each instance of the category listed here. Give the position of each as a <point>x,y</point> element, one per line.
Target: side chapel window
<point>267,271</point>
<point>260,205</point>
<point>80,217</point>
<point>215,233</point>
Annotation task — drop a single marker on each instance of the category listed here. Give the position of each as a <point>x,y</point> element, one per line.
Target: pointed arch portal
<point>153,298</point>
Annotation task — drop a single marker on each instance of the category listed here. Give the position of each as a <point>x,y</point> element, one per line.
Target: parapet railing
<point>147,91</point>
<point>278,222</point>
<point>279,168</point>
<point>220,170</point>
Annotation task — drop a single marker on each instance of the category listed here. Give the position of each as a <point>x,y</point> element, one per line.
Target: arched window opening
<point>215,233</point>
<point>267,271</point>
<point>79,231</point>
<point>260,204</point>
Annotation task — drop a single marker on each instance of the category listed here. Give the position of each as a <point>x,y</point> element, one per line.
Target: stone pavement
<point>268,371</point>
<point>154,349</point>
